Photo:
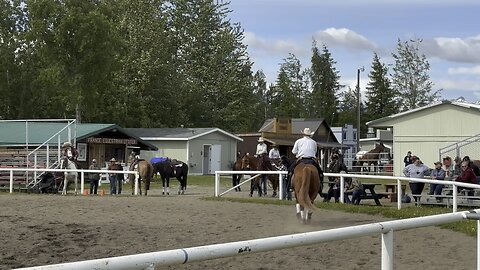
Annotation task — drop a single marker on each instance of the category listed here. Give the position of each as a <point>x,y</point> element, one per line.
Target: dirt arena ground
<point>48,229</point>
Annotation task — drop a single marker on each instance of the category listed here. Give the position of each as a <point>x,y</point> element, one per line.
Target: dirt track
<point>49,229</point>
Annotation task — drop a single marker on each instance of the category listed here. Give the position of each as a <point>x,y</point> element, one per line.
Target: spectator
<point>335,166</point>
<point>437,174</point>
<point>408,159</point>
<point>467,176</point>
<point>416,170</point>
<point>449,169</point>
<point>112,177</point>
<point>94,177</point>
<point>474,167</point>
<point>356,188</point>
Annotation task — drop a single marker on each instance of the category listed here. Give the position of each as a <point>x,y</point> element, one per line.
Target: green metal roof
<point>35,133</point>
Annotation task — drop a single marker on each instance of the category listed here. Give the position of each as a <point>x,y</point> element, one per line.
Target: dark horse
<point>371,157</point>
<point>237,166</point>
<point>145,173</point>
<point>172,168</point>
<point>306,184</point>
<point>257,164</point>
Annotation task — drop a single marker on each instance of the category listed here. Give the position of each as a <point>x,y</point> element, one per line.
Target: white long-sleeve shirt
<point>305,147</point>
<point>261,148</point>
<point>274,153</point>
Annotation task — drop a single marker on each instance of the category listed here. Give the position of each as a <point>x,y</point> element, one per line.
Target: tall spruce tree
<point>410,76</point>
<point>348,108</point>
<point>289,93</point>
<point>214,65</point>
<point>381,98</point>
<point>325,85</point>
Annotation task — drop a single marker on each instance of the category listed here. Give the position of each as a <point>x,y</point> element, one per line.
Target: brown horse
<point>145,173</point>
<point>258,164</point>
<point>237,166</point>
<point>371,157</point>
<point>306,184</point>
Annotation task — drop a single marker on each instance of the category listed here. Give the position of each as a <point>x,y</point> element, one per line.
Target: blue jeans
<point>435,189</point>
<point>113,184</point>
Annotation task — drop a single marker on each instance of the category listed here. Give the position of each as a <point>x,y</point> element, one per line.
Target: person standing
<point>112,177</point>
<point>94,177</point>
<point>408,159</point>
<point>416,170</point>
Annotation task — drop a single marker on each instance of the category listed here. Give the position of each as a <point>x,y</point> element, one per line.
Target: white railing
<point>201,253</point>
<point>81,171</point>
<point>398,179</point>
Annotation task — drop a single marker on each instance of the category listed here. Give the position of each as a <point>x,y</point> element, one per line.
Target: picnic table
<point>369,193</point>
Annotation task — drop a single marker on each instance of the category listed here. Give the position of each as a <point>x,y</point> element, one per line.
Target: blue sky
<point>354,29</point>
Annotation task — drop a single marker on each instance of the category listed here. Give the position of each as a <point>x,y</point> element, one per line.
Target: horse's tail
<point>304,192</point>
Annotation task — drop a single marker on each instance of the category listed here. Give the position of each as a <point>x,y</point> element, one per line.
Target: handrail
<point>70,122</point>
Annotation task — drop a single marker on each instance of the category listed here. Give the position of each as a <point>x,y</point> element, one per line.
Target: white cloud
<point>282,47</point>
<point>343,37</point>
<point>464,70</point>
<point>465,85</point>
<point>465,50</point>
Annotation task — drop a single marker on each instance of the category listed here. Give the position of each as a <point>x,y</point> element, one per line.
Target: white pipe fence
<point>81,171</point>
<point>398,179</point>
<point>208,252</point>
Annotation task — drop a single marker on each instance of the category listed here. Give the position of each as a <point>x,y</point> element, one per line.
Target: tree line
<point>171,63</point>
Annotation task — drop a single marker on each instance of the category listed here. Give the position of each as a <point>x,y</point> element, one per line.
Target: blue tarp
<point>158,159</point>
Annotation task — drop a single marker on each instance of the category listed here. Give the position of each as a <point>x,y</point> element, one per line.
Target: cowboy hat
<point>113,159</point>
<point>65,144</point>
<point>307,132</point>
<point>260,139</point>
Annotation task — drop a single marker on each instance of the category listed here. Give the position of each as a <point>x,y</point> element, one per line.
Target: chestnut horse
<point>371,157</point>
<point>250,163</point>
<point>306,184</point>
<point>145,173</point>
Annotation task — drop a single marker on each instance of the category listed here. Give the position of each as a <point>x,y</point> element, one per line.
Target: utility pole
<point>359,102</point>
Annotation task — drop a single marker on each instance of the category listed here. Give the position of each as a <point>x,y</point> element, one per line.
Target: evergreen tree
<point>210,57</point>
<point>410,76</point>
<point>381,99</point>
<point>325,85</point>
<point>348,108</point>
<point>289,93</point>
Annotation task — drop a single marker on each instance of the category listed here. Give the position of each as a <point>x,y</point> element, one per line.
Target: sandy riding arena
<point>49,229</point>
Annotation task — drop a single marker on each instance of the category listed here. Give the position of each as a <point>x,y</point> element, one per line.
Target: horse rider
<point>69,152</point>
<point>305,150</point>
<point>274,156</point>
<point>264,160</point>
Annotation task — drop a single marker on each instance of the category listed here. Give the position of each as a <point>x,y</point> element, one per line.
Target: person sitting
<point>467,176</point>
<point>437,174</point>
<point>335,166</point>
<point>355,187</point>
<point>305,150</point>
<point>474,167</point>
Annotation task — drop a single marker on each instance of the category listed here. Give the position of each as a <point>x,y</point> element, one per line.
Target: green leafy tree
<point>381,98</point>
<point>347,109</point>
<point>325,85</point>
<point>410,76</point>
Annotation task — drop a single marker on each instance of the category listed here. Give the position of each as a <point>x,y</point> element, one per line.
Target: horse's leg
<point>76,182</point>
<point>140,185</point>
<point>263,184</point>
<point>299,211</point>
<point>168,185</point>
<point>65,183</point>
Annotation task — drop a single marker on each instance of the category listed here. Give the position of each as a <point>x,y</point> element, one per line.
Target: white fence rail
<point>81,171</point>
<point>398,179</point>
<point>202,253</point>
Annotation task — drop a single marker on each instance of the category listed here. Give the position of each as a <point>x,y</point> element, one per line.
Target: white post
<point>342,186</point>
<point>35,166</point>
<point>47,165</point>
<point>11,181</point>
<point>399,194</point>
<point>387,250</point>
<point>478,244</point>
<point>217,184</point>
<point>454,188</point>
<point>136,182</point>
<point>280,186</point>
<point>82,182</point>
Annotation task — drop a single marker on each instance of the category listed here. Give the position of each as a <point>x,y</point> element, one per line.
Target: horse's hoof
<point>163,193</point>
<point>299,216</point>
<point>168,193</point>
<point>250,195</point>
<point>179,192</point>
<point>274,195</point>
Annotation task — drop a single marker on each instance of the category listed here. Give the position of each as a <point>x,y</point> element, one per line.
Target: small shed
<point>205,150</point>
